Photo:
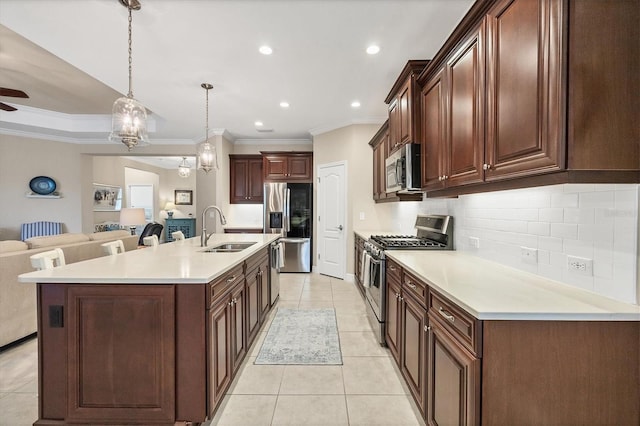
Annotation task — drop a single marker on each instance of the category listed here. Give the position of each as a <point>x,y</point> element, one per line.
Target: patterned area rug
<point>302,337</point>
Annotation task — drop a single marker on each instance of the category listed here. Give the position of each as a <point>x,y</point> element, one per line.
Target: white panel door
<point>332,219</point>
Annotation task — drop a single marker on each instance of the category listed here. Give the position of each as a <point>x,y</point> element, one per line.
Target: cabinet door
<point>394,125</point>
<point>405,100</point>
<point>413,353</point>
<point>525,111</point>
<point>453,377</point>
<point>255,181</point>
<point>275,167</point>
<point>238,327</point>
<point>121,354</point>
<point>218,352</point>
<point>299,168</point>
<point>465,118</point>
<point>392,326</point>
<point>433,136</point>
<point>239,171</point>
<point>253,306</point>
<point>263,281</point>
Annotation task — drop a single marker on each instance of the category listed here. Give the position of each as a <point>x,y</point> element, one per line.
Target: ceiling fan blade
<point>13,93</point>
<point>6,107</point>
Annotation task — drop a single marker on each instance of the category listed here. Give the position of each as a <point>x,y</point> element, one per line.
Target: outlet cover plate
<point>474,242</point>
<point>529,255</point>
<point>580,265</point>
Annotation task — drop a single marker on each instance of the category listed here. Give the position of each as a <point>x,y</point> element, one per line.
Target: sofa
<point>18,300</point>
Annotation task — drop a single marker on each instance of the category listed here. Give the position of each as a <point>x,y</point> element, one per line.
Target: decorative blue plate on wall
<point>42,185</point>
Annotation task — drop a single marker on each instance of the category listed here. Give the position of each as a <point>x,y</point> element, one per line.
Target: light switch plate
<point>474,242</point>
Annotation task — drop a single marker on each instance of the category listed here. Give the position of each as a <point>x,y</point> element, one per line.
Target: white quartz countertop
<point>367,233</point>
<point>179,262</point>
<point>490,291</point>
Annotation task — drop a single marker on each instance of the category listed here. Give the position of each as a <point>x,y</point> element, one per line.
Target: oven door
<point>375,290</point>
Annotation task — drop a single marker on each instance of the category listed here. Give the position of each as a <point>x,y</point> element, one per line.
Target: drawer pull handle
<point>446,314</point>
<point>231,279</point>
<point>413,286</point>
<point>392,268</point>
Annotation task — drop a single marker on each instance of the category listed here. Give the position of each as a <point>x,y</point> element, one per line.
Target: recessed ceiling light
<point>373,49</point>
<point>265,50</point>
<point>258,123</point>
<point>355,104</point>
<point>284,104</point>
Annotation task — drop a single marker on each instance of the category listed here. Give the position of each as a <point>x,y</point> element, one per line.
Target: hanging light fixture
<point>129,117</point>
<point>207,157</point>
<point>184,169</point>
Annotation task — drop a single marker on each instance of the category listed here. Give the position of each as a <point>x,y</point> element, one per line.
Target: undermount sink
<point>229,247</point>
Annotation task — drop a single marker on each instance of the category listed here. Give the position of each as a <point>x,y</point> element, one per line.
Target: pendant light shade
<point>207,156</point>
<point>184,169</point>
<point>129,117</point>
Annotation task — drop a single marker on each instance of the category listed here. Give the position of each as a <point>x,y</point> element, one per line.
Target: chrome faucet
<point>204,237</point>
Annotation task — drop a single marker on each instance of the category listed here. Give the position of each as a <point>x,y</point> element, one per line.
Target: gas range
<point>434,232</point>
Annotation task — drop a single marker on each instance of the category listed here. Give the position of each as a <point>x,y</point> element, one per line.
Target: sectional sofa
<point>18,300</point>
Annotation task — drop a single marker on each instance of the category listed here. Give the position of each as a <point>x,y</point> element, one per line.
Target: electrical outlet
<point>529,255</point>
<point>580,265</point>
<point>361,215</point>
<point>474,242</point>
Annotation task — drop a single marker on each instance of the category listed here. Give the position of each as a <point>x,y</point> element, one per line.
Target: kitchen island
<point>152,336</point>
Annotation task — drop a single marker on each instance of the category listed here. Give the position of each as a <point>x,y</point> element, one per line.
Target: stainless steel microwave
<point>402,169</point>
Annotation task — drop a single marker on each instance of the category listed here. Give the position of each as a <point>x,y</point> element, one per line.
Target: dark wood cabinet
<point>393,317</point>
<point>219,365</point>
<point>258,293</point>
<point>533,95</point>
<point>404,106</point>
<point>357,261</point>
<point>138,323</point>
<point>414,350</point>
<point>238,325</point>
<point>453,391</point>
<point>245,179</point>
<point>380,145</point>
<point>287,166</point>
<point>524,89</point>
<point>253,305</point>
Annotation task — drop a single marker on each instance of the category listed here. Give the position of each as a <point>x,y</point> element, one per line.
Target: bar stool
<point>151,241</point>
<point>113,247</point>
<point>177,236</point>
<point>46,259</point>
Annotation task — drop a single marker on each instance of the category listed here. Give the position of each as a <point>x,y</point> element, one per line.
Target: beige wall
<point>350,144</point>
<point>22,159</point>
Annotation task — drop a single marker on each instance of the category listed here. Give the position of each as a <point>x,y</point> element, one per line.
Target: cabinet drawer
<point>257,260</point>
<point>394,270</point>
<point>463,326</point>
<point>415,287</point>
<point>220,286</point>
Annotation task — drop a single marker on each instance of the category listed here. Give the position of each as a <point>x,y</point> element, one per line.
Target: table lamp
<point>169,207</point>
<point>132,217</point>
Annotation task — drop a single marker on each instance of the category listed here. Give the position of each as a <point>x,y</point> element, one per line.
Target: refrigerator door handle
<point>294,240</point>
<point>288,211</point>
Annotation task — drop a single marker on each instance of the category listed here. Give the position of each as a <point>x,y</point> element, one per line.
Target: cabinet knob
<point>439,178</point>
<point>486,166</point>
<point>427,328</point>
<point>445,177</point>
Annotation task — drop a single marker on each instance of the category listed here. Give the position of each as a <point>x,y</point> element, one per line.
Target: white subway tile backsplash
<point>596,199</point>
<point>564,230</point>
<point>564,200</point>
<point>594,221</point>
<point>551,215</point>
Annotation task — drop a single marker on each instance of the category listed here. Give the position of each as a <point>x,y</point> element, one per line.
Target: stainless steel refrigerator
<point>288,211</point>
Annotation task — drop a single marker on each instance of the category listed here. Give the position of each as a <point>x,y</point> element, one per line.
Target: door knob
<point>340,227</point>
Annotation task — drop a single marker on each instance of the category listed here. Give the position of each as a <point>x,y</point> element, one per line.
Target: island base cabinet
<point>453,380</point>
<point>96,342</point>
<point>219,352</point>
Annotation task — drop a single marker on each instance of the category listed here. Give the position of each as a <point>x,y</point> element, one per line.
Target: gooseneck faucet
<point>204,237</point>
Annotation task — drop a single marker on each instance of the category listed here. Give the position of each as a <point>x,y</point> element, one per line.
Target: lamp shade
<point>169,206</point>
<point>132,216</point>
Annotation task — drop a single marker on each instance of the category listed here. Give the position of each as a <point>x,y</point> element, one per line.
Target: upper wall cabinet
<point>287,166</point>
<point>403,101</point>
<point>245,179</point>
<point>531,92</point>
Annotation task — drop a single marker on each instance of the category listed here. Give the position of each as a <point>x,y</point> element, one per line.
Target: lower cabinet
<point>253,306</point>
<point>392,316</point>
<point>413,343</point>
<point>218,353</point>
<point>453,375</point>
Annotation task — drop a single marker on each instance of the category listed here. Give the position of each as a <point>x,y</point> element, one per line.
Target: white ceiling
<point>318,65</point>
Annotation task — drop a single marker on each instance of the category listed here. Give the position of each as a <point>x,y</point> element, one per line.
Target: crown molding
<point>340,124</point>
<point>273,142</point>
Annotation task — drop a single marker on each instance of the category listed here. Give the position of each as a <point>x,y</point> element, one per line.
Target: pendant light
<point>129,117</point>
<point>207,157</point>
<point>184,169</point>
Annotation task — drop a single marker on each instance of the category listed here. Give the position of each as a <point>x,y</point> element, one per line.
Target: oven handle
<point>373,260</point>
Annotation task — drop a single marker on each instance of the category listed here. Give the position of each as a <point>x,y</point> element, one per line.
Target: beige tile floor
<point>366,390</point>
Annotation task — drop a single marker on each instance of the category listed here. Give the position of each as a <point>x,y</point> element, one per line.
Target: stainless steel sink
<point>229,247</point>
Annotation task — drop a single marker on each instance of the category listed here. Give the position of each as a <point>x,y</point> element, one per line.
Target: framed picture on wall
<point>183,197</point>
<point>106,198</point>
